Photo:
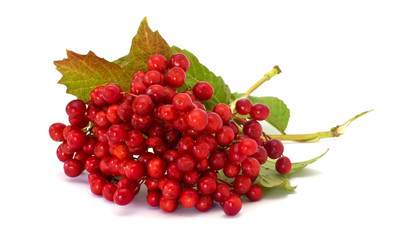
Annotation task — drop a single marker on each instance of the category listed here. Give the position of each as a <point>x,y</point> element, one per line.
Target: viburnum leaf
<point>144,44</point>
<point>279,112</point>
<point>298,166</point>
<point>83,73</point>
<point>270,178</point>
<point>198,72</point>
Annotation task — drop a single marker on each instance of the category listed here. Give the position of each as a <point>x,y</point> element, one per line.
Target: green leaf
<point>83,73</point>
<point>270,178</point>
<point>198,72</point>
<point>279,112</point>
<point>144,44</point>
<point>298,166</point>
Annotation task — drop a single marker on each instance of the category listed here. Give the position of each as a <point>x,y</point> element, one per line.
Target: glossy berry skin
<point>242,184</point>
<point>172,189</point>
<point>261,155</point>
<point>254,193</point>
<point>61,155</point>
<point>224,111</point>
<point>225,136</point>
<point>200,150</point>
<point>96,96</point>
<point>231,170</point>
<point>97,185</point>
<point>197,119</point>
<point>207,185</point>
<point>243,106</point>
<point>283,165</point>
<point>260,112</point>
<point>203,91</point>
<point>134,170</point>
<point>112,93</point>
<point>116,134</point>
<point>175,77</point>
<point>215,123</point>
<point>189,198</point>
<point>252,129</point>
<point>168,205</point>
<point>182,102</point>
<point>157,62</point>
<point>75,109</point>
<point>56,132</point>
<point>108,191</point>
<point>142,105</point>
<point>234,154</point>
<point>221,193</point>
<point>232,205</point>
<point>73,168</point>
<point>156,167</point>
<point>152,77</point>
<point>274,148</point>
<point>205,203</point>
<point>153,198</point>
<point>185,163</point>
<point>123,196</point>
<point>248,147</point>
<point>251,167</point>
<point>76,139</point>
<point>179,60</point>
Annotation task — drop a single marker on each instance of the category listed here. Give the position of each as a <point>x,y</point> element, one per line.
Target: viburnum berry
<point>108,191</point>
<point>189,198</point>
<point>157,62</point>
<point>274,148</point>
<point>203,91</point>
<point>112,93</point>
<point>197,119</point>
<point>260,112</point>
<point>243,106</point>
<point>75,109</point>
<point>283,165</point>
<point>123,196</point>
<point>255,193</point>
<point>153,198</point>
<point>73,168</point>
<point>179,60</point>
<point>56,132</point>
<point>232,205</point>
<point>175,77</point>
<point>205,203</point>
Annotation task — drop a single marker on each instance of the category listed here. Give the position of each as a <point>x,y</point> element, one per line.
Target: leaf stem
<point>314,137</point>
<point>266,77</point>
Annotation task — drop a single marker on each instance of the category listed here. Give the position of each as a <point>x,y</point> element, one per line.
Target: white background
<point>338,59</point>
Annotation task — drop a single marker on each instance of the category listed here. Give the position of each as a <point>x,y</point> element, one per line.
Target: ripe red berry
<point>205,203</point>
<point>243,106</point>
<point>189,198</point>
<point>172,189</point>
<point>221,193</point>
<point>142,105</point>
<point>252,129</point>
<point>232,205</point>
<point>203,91</point>
<point>175,77</point>
<point>56,132</point>
<point>207,185</point>
<point>254,193</point>
<point>168,205</point>
<point>108,191</point>
<point>76,139</point>
<point>224,111</point>
<point>73,168</point>
<point>134,170</point>
<point>153,77</point>
<point>182,102</point>
<point>225,136</point>
<point>283,165</point>
<point>260,112</point>
<point>76,109</point>
<point>157,62</point>
<point>123,196</point>
<point>153,198</point>
<point>215,123</point>
<point>274,148</point>
<point>156,167</point>
<point>112,93</point>
<point>242,184</point>
<point>197,119</point>
<point>248,147</point>
<point>251,167</point>
<point>179,60</point>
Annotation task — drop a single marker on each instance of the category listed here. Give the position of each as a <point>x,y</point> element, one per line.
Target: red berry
<point>248,147</point>
<point>153,77</point>
<point>179,60</point>
<point>185,163</point>
<point>243,106</point>
<point>76,109</point>
<point>142,105</point>
<point>203,91</point>
<point>56,132</point>
<point>134,170</point>
<point>215,123</point>
<point>260,112</point>
<point>197,119</point>
<point>108,191</point>
<point>251,167</point>
<point>252,129</point>
<point>254,193</point>
<point>283,165</point>
<point>224,111</point>
<point>153,198</point>
<point>207,185</point>
<point>175,77</point>
<point>73,168</point>
<point>96,96</point>
<point>168,205</point>
<point>232,205</point>
<point>182,102</point>
<point>157,62</point>
<point>76,139</point>
<point>274,148</point>
<point>189,198</point>
<point>172,189</point>
<point>205,203</point>
<point>242,184</point>
<point>156,167</point>
<point>112,93</point>
<point>221,193</point>
<point>123,196</point>
<point>225,136</point>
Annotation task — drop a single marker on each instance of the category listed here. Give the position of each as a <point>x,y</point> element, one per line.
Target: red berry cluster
<point>166,140</point>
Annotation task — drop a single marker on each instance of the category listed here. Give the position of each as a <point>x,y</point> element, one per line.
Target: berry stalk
<point>314,137</point>
<point>266,77</point>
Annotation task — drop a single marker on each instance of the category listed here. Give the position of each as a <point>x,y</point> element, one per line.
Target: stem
<point>314,137</point>
<point>227,183</point>
<point>266,77</point>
